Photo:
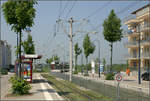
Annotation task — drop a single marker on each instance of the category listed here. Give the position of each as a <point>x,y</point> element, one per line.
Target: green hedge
<point>19,86</point>
<point>109,76</point>
<point>3,71</point>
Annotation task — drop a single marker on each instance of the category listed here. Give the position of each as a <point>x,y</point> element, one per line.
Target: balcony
<point>145,42</point>
<point>131,44</point>
<point>130,19</point>
<point>131,33</point>
<point>145,28</point>
<point>133,57</point>
<point>145,55</point>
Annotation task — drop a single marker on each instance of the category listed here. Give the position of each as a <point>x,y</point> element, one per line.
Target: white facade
<point>5,54</point>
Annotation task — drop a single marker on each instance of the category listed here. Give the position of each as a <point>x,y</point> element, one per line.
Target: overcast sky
<point>47,12</point>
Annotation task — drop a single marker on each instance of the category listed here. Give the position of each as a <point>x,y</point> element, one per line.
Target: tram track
<point>60,85</point>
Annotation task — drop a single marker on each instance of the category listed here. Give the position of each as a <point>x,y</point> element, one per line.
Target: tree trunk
<point>111,45</point>
<point>86,65</point>
<point>76,63</point>
<point>20,40</point>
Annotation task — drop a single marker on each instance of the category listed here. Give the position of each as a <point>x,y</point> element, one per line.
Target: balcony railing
<point>134,56</point>
<point>145,55</point>
<point>145,41</point>
<point>145,27</point>
<point>128,18</point>
<point>131,44</point>
<point>131,32</point>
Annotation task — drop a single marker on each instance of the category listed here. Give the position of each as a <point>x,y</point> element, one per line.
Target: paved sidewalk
<point>41,90</point>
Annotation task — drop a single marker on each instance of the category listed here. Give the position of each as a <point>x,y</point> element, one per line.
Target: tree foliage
<point>55,58</point>
<point>104,63</point>
<point>112,30</point>
<point>19,14</point>
<point>78,51</point>
<point>88,46</point>
<point>28,45</point>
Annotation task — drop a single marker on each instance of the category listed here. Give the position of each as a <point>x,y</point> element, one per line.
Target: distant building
<point>139,24</point>
<point>5,54</point>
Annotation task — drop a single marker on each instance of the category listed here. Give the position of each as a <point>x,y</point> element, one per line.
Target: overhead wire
<point>66,4</point>
<point>60,6</point>
<point>71,8</point>
<point>99,9</point>
<point>118,13</point>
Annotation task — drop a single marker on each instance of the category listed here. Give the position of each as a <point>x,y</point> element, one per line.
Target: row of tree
<point>112,32</point>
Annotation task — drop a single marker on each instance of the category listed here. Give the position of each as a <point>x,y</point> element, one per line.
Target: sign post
<point>118,78</point>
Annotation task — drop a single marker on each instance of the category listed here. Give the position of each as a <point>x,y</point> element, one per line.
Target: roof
<point>140,8</point>
<point>31,56</point>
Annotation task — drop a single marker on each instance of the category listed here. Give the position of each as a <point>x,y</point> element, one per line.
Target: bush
<point>4,71</point>
<point>19,86</point>
<point>110,76</point>
<point>75,72</point>
<point>86,74</point>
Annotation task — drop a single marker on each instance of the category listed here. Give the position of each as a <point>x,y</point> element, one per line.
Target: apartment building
<point>5,54</point>
<point>139,28</point>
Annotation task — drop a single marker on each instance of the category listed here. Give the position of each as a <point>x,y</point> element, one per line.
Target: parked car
<point>145,76</point>
<point>12,70</point>
<point>39,70</point>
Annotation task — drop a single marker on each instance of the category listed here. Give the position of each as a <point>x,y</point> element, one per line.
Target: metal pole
<point>99,57</point>
<point>149,59</point>
<point>17,56</point>
<point>71,41</point>
<point>139,68</point>
<point>20,54</point>
<point>118,91</point>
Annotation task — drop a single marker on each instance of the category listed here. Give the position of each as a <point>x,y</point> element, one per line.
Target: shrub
<point>86,74</point>
<point>4,71</point>
<point>110,76</point>
<point>75,72</point>
<point>19,86</point>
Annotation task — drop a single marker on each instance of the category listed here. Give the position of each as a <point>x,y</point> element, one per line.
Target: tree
<point>28,45</point>
<point>53,58</point>
<point>104,63</point>
<point>78,51</point>
<point>112,30</point>
<point>19,14</point>
<point>56,58</point>
<point>89,48</point>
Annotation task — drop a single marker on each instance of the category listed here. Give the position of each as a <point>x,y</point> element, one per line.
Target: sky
<point>47,12</point>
